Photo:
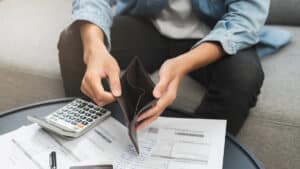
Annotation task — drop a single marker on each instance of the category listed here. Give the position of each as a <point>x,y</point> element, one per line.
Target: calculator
<point>74,119</point>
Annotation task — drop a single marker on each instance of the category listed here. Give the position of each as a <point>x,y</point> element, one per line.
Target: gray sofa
<point>29,72</point>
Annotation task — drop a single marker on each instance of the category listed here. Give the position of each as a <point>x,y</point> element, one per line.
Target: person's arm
<point>100,64</point>
<point>98,12</point>
<point>94,18</point>
<point>237,29</point>
<point>172,72</point>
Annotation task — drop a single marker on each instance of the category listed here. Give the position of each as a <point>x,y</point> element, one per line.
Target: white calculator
<point>74,119</point>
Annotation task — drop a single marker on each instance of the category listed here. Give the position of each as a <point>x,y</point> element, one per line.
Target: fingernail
<point>157,93</point>
<point>101,103</point>
<point>117,92</point>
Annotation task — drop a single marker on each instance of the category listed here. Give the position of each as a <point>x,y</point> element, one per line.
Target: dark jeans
<point>232,82</point>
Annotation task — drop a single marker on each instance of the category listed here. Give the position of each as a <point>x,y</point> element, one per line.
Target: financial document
<point>168,143</point>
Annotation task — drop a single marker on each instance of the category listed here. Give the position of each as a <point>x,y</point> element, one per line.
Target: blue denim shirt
<point>236,24</point>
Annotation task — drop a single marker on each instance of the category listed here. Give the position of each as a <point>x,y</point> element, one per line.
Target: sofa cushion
<point>284,12</point>
<point>29,33</point>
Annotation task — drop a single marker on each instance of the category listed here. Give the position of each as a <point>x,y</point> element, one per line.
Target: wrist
<point>185,63</point>
<point>92,40</point>
<point>200,56</point>
<point>94,52</point>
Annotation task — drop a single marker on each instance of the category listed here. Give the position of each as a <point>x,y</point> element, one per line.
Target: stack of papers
<point>168,143</point>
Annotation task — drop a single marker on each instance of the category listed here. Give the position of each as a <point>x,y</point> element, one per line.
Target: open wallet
<point>136,97</point>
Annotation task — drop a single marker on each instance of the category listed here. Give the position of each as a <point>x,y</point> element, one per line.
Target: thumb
<point>160,87</point>
<point>114,83</point>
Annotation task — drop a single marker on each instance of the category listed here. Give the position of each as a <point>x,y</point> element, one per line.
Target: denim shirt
<point>236,24</point>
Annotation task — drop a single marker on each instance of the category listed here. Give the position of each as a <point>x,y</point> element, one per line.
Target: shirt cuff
<point>98,20</point>
<point>223,37</point>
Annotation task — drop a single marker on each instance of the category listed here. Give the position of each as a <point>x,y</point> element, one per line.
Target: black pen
<point>52,160</point>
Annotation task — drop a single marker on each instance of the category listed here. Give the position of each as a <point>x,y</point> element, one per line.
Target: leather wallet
<point>136,97</point>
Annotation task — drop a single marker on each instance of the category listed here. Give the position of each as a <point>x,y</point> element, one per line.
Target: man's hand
<point>100,65</point>
<point>165,91</point>
<point>171,73</point>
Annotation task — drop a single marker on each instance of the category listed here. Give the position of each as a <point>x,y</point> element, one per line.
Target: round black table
<point>236,156</point>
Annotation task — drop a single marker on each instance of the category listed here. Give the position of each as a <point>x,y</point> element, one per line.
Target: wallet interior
<point>136,97</point>
<point>137,89</point>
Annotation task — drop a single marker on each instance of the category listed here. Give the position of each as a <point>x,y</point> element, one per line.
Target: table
<point>236,156</point>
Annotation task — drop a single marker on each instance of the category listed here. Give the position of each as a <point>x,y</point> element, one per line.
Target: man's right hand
<point>99,65</point>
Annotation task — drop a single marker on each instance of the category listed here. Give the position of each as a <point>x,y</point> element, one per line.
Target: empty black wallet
<point>136,97</point>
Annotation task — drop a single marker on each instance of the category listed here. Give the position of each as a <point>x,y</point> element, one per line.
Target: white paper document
<point>168,143</point>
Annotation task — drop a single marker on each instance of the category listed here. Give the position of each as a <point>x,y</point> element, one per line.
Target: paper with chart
<point>186,144</point>
<point>169,143</point>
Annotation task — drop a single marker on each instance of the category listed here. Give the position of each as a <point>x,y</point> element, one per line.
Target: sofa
<point>29,72</point>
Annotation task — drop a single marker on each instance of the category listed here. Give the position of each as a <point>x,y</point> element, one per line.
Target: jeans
<point>233,82</point>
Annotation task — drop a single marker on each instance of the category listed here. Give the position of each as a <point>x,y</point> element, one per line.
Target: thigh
<point>233,84</point>
<point>243,69</point>
<point>134,36</point>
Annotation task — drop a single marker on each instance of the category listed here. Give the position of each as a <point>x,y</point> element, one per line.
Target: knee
<point>246,85</point>
<point>250,80</point>
<point>69,38</point>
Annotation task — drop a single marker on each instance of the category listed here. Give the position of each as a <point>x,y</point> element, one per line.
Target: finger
<point>146,122</point>
<point>114,82</point>
<point>161,87</point>
<point>98,92</point>
<point>85,89</point>
<point>162,103</point>
<point>157,109</point>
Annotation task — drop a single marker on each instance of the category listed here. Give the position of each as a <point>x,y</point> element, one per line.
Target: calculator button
<point>97,108</point>
<point>82,117</point>
<point>89,120</point>
<point>78,120</point>
<point>76,114</point>
<point>99,114</point>
<point>85,123</point>
<point>73,122</point>
<point>90,106</point>
<point>102,111</point>
<point>80,125</point>
<point>81,111</point>
<point>88,114</point>
<point>92,111</point>
<point>94,117</point>
<point>81,105</point>
<point>86,108</point>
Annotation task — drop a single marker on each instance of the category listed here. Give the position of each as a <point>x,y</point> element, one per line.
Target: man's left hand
<point>170,75</point>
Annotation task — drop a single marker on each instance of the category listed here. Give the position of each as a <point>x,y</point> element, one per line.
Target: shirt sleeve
<point>239,27</point>
<point>98,12</point>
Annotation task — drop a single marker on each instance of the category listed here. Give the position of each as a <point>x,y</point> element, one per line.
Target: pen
<point>52,160</point>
